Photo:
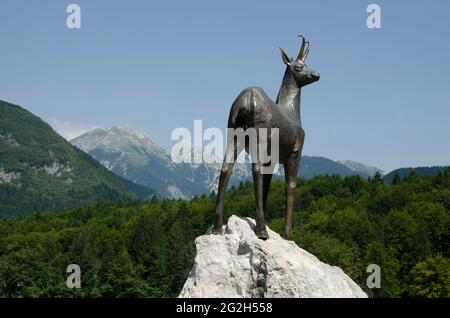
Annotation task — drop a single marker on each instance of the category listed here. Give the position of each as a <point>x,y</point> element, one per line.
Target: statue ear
<point>285,57</point>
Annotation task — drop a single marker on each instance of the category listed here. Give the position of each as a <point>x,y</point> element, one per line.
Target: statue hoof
<point>217,231</point>
<point>287,236</point>
<point>262,234</point>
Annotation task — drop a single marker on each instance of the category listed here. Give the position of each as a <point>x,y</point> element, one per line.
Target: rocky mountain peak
<point>116,138</point>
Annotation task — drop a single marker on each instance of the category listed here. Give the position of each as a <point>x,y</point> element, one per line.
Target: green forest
<point>147,249</point>
<point>48,172</point>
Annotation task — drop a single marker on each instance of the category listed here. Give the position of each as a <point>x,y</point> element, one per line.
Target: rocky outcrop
<point>238,264</point>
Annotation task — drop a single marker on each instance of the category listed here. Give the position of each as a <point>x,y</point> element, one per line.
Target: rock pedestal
<point>238,264</point>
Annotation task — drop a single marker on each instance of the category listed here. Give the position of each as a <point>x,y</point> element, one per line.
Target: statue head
<point>302,74</point>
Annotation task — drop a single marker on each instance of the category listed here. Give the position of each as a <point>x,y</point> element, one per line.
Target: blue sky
<point>383,98</point>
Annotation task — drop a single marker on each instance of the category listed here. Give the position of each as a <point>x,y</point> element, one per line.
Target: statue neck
<point>289,94</point>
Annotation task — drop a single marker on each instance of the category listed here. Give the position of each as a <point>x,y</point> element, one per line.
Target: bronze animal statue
<point>254,109</point>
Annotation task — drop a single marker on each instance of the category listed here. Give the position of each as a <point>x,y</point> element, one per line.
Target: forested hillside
<point>41,171</point>
<point>147,249</point>
<point>404,172</point>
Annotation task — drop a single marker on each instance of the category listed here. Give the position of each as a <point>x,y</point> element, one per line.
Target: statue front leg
<point>225,174</point>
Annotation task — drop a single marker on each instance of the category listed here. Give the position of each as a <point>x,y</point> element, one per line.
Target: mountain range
<point>41,171</point>
<point>133,155</point>
<point>361,168</point>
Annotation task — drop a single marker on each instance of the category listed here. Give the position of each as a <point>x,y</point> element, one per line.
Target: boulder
<point>238,264</point>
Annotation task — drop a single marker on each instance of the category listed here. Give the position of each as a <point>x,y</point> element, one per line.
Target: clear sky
<point>383,98</point>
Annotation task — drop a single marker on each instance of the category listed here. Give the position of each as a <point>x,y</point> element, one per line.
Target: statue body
<point>253,108</point>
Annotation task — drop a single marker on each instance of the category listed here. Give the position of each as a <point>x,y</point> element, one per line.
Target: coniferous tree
<point>396,179</point>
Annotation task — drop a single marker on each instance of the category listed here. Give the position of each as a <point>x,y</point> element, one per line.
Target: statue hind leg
<point>225,173</point>
<point>260,230</point>
<point>267,179</point>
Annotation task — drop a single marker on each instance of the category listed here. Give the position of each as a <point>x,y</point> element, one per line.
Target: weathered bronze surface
<point>253,108</point>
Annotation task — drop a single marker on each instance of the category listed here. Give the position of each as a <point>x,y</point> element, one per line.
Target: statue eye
<point>299,67</point>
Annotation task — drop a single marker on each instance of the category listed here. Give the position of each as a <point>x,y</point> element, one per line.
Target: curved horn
<point>302,49</point>
<point>308,49</point>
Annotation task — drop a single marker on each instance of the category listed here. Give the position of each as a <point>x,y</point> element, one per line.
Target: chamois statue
<point>254,109</point>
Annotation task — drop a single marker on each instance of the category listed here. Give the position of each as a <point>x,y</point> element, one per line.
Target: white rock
<point>238,264</point>
<point>8,177</point>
